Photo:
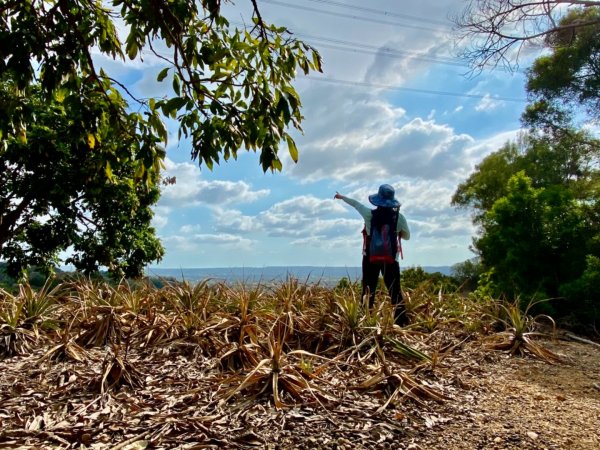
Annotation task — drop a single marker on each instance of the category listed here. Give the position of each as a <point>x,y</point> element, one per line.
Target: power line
<point>358,47</point>
<point>348,16</point>
<point>380,12</point>
<point>397,54</point>
<point>387,50</point>
<point>415,90</point>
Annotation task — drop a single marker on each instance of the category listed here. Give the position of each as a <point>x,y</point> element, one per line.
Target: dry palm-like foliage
<point>275,374</point>
<point>67,349</point>
<point>190,301</point>
<point>520,333</point>
<point>184,356</point>
<point>15,341</point>
<point>399,384</point>
<point>102,326</point>
<point>13,338</point>
<point>23,314</point>
<point>154,329</point>
<point>118,371</point>
<point>432,309</point>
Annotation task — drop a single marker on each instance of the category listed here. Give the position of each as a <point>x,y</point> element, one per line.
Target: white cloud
<point>233,221</point>
<point>306,216</point>
<point>418,53</point>
<point>368,138</point>
<point>443,226</point>
<point>355,137</point>
<point>161,216</point>
<point>189,243</point>
<point>148,86</point>
<point>191,190</point>
<point>190,229</point>
<point>423,197</point>
<point>488,103</point>
<point>484,147</point>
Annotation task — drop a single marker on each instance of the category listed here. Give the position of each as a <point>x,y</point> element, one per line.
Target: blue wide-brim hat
<point>385,197</point>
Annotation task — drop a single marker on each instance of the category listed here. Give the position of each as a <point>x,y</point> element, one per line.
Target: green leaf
<point>176,84</point>
<point>292,148</point>
<point>163,74</point>
<point>108,171</point>
<point>132,48</point>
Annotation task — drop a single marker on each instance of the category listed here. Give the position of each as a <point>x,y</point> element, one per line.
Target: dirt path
<point>519,403</point>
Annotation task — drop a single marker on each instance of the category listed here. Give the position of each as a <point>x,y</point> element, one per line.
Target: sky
<point>393,105</point>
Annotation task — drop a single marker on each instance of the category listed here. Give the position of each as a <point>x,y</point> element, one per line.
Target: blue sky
<point>364,125</point>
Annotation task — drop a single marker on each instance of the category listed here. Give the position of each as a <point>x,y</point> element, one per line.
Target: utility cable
<point>414,90</point>
<point>349,16</point>
<point>381,12</point>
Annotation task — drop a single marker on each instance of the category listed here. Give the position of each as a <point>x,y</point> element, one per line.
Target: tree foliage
<point>536,201</point>
<point>535,239</point>
<point>467,274</point>
<point>569,76</point>
<point>496,31</point>
<point>539,229</point>
<point>79,164</point>
<point>568,158</point>
<point>62,186</point>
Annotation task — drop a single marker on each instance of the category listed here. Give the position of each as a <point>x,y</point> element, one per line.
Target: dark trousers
<point>391,278</point>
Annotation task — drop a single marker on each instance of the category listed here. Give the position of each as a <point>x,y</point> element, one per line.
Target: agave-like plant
<point>399,384</point>
<point>23,314</point>
<point>350,315</point>
<point>14,338</point>
<point>38,305</point>
<point>117,371</point>
<point>190,300</point>
<point>66,349</point>
<point>103,326</point>
<point>155,328</point>
<point>135,299</point>
<point>520,331</point>
<point>276,375</point>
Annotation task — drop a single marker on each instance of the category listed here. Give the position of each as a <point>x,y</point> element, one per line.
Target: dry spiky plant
<point>117,371</point>
<point>398,384</point>
<point>22,316</point>
<point>135,298</point>
<point>190,301</point>
<point>67,349</point>
<point>155,328</point>
<point>432,309</point>
<point>275,375</point>
<point>520,332</point>
<point>101,327</point>
<point>38,305</point>
<point>13,339</point>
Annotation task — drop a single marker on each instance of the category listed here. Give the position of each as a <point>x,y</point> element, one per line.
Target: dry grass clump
<point>520,331</point>
<point>288,344</point>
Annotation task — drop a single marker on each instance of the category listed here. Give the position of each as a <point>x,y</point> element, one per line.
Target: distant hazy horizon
<point>313,274</point>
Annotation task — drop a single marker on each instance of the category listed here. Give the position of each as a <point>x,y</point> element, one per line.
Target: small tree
<point>79,165</point>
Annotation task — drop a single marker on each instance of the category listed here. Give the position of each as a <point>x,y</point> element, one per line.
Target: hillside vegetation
<point>94,365</point>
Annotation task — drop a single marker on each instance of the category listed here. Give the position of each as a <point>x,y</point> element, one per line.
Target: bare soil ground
<point>492,401</point>
<point>517,403</point>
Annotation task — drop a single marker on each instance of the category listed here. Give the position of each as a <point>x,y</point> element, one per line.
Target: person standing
<point>387,213</point>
